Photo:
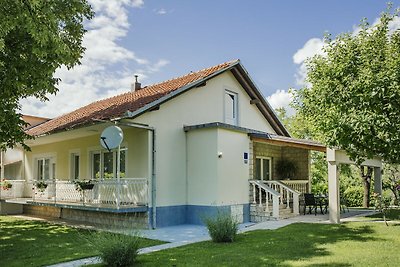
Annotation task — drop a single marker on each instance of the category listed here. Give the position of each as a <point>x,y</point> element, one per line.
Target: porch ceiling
<point>287,141</point>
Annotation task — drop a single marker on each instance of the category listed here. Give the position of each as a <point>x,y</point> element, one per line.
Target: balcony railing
<point>107,193</point>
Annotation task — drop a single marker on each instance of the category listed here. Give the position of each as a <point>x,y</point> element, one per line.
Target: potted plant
<point>286,169</point>
<point>5,185</point>
<point>41,186</point>
<point>84,185</point>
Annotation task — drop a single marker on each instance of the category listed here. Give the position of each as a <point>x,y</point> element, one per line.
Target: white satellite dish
<point>111,137</point>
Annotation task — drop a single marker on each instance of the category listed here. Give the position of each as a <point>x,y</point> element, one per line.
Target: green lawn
<point>348,244</point>
<point>35,243</point>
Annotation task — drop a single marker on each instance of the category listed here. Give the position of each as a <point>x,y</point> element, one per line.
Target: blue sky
<point>163,39</point>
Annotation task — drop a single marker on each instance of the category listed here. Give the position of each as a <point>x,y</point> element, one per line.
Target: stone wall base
<point>112,220</point>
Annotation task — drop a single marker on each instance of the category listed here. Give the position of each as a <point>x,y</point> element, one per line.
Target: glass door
<point>263,168</point>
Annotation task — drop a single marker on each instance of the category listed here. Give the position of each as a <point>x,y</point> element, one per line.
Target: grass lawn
<point>36,243</point>
<point>348,244</point>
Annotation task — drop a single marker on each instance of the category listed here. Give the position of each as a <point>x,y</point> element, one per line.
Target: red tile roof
<point>117,106</point>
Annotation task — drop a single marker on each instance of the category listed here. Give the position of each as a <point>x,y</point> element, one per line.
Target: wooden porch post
<point>333,191</point>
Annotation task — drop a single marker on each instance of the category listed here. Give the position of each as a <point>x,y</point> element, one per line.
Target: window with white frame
<point>231,107</point>
<point>75,165</point>
<point>104,164</point>
<point>263,168</point>
<point>45,168</point>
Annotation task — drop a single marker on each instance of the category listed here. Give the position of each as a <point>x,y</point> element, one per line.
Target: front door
<point>263,168</point>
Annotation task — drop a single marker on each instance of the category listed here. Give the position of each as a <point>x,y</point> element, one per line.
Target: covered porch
<point>277,194</point>
<point>70,175</point>
<point>280,172</point>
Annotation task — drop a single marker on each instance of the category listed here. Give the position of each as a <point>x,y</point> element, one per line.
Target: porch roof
<point>287,141</point>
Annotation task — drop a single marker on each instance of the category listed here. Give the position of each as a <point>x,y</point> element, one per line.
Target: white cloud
<point>281,99</point>
<point>161,11</point>
<point>104,70</point>
<point>311,47</point>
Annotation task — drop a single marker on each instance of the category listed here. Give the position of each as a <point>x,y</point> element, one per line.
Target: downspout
<point>153,178</point>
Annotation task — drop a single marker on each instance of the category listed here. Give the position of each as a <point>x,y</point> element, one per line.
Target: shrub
<point>354,196</point>
<point>116,250</point>
<point>222,227</point>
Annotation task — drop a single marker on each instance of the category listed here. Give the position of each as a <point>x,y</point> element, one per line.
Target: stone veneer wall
<point>123,220</point>
<point>297,155</point>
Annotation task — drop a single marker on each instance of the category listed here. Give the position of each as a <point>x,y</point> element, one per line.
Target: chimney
<point>136,85</point>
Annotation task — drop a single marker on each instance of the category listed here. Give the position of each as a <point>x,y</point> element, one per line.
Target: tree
<point>391,181</point>
<point>354,93</point>
<point>36,38</point>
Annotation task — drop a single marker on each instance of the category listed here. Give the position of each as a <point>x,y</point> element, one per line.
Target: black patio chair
<point>309,201</point>
<point>343,204</point>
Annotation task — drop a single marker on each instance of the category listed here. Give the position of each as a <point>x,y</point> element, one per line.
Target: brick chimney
<point>136,85</point>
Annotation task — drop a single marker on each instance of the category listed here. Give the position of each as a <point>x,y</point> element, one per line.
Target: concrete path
<point>187,234</point>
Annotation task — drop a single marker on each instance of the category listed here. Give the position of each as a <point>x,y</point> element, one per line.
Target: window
<point>45,169</point>
<point>231,108</point>
<point>104,164</point>
<point>263,168</point>
<point>75,166</point>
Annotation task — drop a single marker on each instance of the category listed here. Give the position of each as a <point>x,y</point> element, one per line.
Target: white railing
<point>287,195</point>
<point>16,190</point>
<point>128,192</point>
<point>298,185</point>
<point>263,195</point>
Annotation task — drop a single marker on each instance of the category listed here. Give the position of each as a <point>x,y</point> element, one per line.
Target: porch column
<point>377,180</point>
<point>333,191</point>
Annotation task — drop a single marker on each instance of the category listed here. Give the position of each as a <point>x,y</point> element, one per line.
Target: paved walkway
<point>186,234</point>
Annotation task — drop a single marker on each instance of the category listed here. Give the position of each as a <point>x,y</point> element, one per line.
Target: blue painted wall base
<point>190,214</point>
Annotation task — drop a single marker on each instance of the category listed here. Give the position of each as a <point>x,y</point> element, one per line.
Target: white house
<point>193,145</point>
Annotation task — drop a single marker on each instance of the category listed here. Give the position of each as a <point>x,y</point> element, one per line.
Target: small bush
<point>222,227</point>
<point>116,250</point>
<point>354,196</point>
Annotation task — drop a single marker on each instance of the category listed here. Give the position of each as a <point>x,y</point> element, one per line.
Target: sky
<point>162,39</point>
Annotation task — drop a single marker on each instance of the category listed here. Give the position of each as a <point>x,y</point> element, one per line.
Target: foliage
<point>36,38</point>
<point>391,182</point>
<point>5,184</point>
<point>116,250</point>
<point>222,227</point>
<point>391,214</point>
<point>353,196</point>
<point>354,96</point>
<point>84,185</point>
<point>319,173</point>
<point>286,169</point>
<point>41,185</point>
<point>382,204</point>
<point>300,244</point>
<point>38,243</point>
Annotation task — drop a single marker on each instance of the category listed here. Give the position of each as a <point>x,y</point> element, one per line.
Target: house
<point>193,145</point>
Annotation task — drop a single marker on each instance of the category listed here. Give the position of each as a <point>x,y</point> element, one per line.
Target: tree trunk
<point>366,174</point>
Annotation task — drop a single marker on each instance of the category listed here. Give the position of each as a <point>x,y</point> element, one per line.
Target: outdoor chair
<point>343,204</point>
<point>309,201</point>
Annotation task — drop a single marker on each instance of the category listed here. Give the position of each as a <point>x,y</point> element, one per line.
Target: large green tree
<point>354,93</point>
<point>36,38</point>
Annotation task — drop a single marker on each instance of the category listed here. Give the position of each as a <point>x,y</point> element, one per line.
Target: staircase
<point>272,200</point>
